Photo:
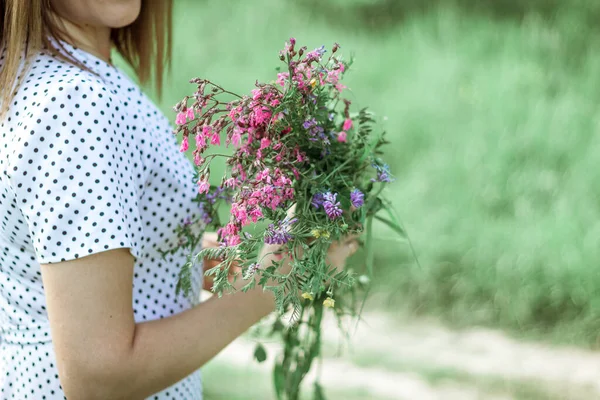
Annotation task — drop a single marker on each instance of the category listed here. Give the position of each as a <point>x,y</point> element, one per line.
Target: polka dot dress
<point>87,164</point>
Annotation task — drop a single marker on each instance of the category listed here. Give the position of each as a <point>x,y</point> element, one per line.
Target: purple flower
<point>357,198</point>
<point>309,123</point>
<point>317,200</point>
<point>383,173</point>
<point>314,130</point>
<point>315,54</point>
<point>205,215</point>
<point>331,205</point>
<point>219,193</point>
<point>279,233</point>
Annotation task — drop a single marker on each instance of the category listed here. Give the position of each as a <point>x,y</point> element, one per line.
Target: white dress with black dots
<point>87,164</point>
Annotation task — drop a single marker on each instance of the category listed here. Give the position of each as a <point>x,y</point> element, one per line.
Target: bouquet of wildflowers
<point>294,142</point>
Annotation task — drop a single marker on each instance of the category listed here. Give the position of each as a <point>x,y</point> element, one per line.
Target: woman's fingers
<point>210,239</point>
<point>352,247</point>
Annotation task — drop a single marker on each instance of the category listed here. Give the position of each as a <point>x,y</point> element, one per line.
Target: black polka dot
<point>87,164</point>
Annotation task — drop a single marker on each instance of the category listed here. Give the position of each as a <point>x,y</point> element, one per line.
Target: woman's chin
<point>122,15</point>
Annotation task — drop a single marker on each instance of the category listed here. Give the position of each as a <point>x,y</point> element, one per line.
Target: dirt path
<point>422,360</point>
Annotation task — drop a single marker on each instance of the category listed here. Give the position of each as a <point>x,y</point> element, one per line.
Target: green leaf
<point>279,380</point>
<point>260,353</point>
<point>395,227</point>
<point>319,394</point>
<point>369,246</point>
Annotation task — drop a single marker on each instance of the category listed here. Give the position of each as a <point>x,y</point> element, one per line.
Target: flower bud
<point>335,47</point>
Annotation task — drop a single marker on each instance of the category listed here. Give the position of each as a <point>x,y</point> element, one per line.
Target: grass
<point>252,385</point>
<point>492,111</point>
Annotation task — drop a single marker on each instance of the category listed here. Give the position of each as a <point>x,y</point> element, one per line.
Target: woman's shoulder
<point>47,76</point>
<point>59,105</point>
<point>56,91</point>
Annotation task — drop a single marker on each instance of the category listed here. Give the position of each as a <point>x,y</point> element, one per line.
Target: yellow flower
<point>325,234</point>
<point>316,233</point>
<point>313,82</point>
<point>329,302</point>
<point>307,296</point>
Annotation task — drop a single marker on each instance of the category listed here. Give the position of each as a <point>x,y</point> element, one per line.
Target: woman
<point>92,186</point>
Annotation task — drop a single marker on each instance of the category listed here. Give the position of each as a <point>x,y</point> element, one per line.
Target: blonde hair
<point>27,26</point>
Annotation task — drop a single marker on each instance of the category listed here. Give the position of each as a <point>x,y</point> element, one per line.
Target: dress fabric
<point>87,164</point>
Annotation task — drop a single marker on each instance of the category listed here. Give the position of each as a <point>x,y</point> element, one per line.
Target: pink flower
<point>234,112</point>
<point>296,174</point>
<point>207,130</point>
<point>229,230</point>
<point>260,115</point>
<point>190,113</point>
<point>198,160</point>
<point>200,140</point>
<point>184,145</point>
<point>300,157</point>
<point>240,213</point>
<point>180,120</point>
<point>342,137</point>
<point>203,185</point>
<point>255,214</point>
<point>264,175</point>
<point>231,182</point>
<point>215,139</point>
<point>233,240</point>
<point>282,77</point>
<point>236,137</point>
<point>256,94</point>
<point>264,143</point>
<point>347,124</point>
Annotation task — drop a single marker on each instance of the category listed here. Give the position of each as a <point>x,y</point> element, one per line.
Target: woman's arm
<point>103,354</point>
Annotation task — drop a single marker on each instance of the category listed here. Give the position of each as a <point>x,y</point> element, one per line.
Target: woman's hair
<point>26,26</point>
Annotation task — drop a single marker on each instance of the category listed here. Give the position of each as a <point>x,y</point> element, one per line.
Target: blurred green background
<point>492,108</point>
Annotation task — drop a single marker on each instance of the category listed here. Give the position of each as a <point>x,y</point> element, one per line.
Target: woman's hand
<point>210,240</point>
<point>337,255</point>
<point>340,251</point>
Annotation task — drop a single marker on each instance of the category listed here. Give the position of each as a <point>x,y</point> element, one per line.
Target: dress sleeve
<point>75,173</point>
